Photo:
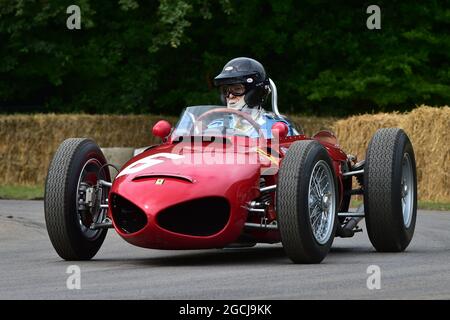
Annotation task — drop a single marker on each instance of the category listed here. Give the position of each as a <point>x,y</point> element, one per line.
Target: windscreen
<point>211,121</point>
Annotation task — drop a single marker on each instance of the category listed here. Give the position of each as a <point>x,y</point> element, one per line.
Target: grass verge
<point>37,193</point>
<point>428,205</point>
<point>21,192</point>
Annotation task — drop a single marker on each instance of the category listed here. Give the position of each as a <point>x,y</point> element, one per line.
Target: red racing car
<point>208,187</point>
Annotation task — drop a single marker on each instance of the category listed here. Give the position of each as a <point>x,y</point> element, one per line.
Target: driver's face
<point>234,94</point>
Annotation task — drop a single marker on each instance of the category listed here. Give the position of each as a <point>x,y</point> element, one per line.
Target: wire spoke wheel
<point>72,199</point>
<point>322,202</point>
<point>307,202</point>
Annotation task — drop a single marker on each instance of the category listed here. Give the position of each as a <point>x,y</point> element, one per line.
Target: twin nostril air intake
<point>199,217</point>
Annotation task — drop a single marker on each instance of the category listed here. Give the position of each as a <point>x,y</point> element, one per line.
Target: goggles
<point>236,90</point>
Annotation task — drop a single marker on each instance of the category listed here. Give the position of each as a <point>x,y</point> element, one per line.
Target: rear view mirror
<point>280,129</point>
<point>161,129</point>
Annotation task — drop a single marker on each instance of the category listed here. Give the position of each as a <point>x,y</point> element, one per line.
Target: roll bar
<point>273,89</point>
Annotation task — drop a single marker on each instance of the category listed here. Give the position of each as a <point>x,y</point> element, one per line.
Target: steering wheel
<point>241,114</point>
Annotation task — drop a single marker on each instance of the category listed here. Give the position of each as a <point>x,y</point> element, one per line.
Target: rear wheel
<point>72,176</point>
<point>390,190</point>
<point>307,202</point>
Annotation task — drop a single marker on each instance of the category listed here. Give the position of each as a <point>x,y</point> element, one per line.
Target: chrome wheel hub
<point>326,200</point>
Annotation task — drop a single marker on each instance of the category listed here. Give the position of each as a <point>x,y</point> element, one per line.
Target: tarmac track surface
<point>31,269</point>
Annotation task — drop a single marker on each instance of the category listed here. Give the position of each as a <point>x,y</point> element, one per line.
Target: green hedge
<point>135,56</point>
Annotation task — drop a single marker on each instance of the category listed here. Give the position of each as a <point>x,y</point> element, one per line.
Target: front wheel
<point>72,203</point>
<point>307,202</point>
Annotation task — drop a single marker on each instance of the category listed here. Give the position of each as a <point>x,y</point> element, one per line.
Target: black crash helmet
<point>251,74</point>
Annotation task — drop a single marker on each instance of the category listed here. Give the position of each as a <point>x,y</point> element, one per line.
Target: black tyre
<point>76,165</point>
<point>390,190</point>
<point>307,202</point>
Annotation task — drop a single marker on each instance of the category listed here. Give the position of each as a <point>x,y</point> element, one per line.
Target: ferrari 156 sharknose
<point>215,188</point>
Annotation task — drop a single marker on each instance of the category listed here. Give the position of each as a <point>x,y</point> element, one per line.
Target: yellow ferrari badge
<point>268,156</point>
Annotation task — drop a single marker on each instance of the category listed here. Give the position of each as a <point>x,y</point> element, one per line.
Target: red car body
<point>196,206</point>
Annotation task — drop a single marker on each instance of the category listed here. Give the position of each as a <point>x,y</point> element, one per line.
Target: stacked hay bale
<point>27,142</point>
<point>429,130</point>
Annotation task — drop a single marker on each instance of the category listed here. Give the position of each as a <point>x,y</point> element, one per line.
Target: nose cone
<point>176,205</point>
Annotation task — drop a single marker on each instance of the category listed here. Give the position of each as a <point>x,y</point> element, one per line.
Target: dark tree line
<point>158,56</point>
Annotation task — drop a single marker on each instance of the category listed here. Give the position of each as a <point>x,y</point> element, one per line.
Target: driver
<point>244,86</point>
